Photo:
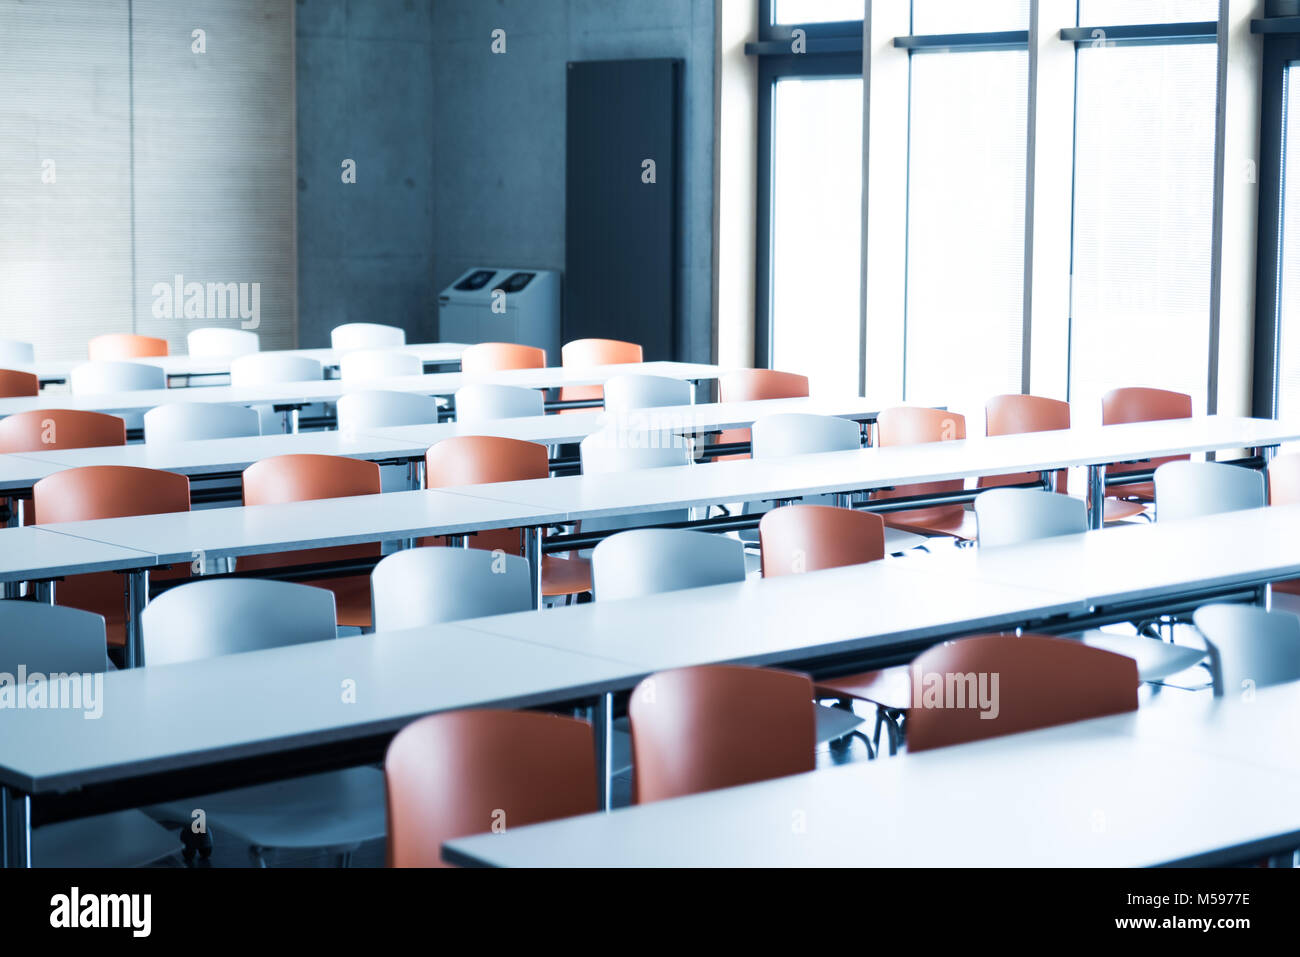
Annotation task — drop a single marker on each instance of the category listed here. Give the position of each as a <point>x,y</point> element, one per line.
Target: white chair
<point>1012,516</point>
<point>204,619</point>
<point>625,393</point>
<point>188,421</point>
<point>484,402</point>
<point>427,586</point>
<point>16,353</point>
<point>218,343</point>
<point>618,450</point>
<point>49,640</point>
<point>379,409</point>
<point>366,335</point>
<point>1009,516</point>
<point>367,365</point>
<point>1249,647</point>
<point>1196,489</point>
<point>272,368</point>
<point>100,377</point>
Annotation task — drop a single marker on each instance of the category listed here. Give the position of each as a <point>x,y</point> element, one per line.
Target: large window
<point>1143,219</point>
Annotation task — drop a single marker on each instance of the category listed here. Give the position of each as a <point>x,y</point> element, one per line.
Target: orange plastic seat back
<point>15,384</point>
<point>1142,405</point>
<point>905,425</point>
<point>43,429</point>
<point>496,356</point>
<point>472,772</point>
<point>481,460</point>
<point>302,478</point>
<point>582,353</point>
<point>807,538</point>
<point>750,385</point>
<point>121,346</point>
<point>1016,415</point>
<point>107,491</point>
<point>992,685</point>
<point>718,726</point>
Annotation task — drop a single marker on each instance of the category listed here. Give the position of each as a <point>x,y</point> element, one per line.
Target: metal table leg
<point>1096,495</point>
<point>533,552</point>
<point>602,722</point>
<point>137,596</point>
<point>16,811</point>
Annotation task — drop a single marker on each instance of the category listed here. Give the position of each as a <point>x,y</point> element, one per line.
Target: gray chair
<point>426,586</point>
<point>484,402</point>
<point>190,421</point>
<point>1196,489</point>
<point>1249,647</point>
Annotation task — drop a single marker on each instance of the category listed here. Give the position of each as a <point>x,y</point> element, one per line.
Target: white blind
<point>1117,12</point>
<point>969,16</point>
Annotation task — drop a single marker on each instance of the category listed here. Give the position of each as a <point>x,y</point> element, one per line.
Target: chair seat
<point>897,540</point>
<point>1117,510</point>
<point>1155,659</point>
<point>959,525</point>
<point>121,839</point>
<point>336,809</point>
<point>565,576</point>
<point>833,723</point>
<point>1289,587</point>
<point>888,688</point>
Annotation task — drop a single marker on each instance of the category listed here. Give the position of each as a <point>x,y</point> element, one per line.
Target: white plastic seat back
<point>381,409</point>
<point>625,393</point>
<point>366,335</point>
<point>215,342</point>
<point>368,365</point>
<point>1249,647</point>
<point>1009,516</point>
<point>1196,489</point>
<point>204,619</point>
<point>484,402</point>
<point>50,639</point>
<point>92,378</point>
<point>16,353</point>
<point>271,368</point>
<point>188,421</point>
<point>619,450</point>
<point>799,433</point>
<point>647,561</point>
<point>426,586</point>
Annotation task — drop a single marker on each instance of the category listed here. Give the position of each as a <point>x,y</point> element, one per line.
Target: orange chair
<point>484,459</point>
<point>470,772</point>
<point>912,426</point>
<point>303,478</point>
<point>15,385</point>
<point>583,353</point>
<point>43,429</point>
<point>749,385</point>
<point>1017,414</point>
<point>808,538</point>
<point>1284,489</point>
<point>718,726</point>
<point>107,491</point>
<point>496,356</point>
<point>1139,405</point>
<point>1041,682</point>
<point>119,346</point>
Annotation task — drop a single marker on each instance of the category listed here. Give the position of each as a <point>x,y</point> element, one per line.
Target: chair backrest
<point>797,433</point>
<point>482,459</point>
<point>1016,415</point>
<point>1009,516</point>
<point>302,478</point>
<point>646,561</point>
<point>218,343</point>
<point>718,726</point>
<point>498,356</point>
<point>1120,406</point>
<point>204,619</point>
<point>1194,489</point>
<point>470,772</point>
<point>112,376</point>
<point>599,352</point>
<point>14,384</point>
<point>108,491</point>
<point>118,346</point>
<point>367,365</point>
<point>272,368</point>
<point>807,538</point>
<point>992,685</point>
<point>187,421</point>
<point>746,385</point>
<point>625,393</point>
<point>366,335</point>
<point>50,639</point>
<point>379,409</point>
<point>16,353</point>
<point>1284,480</point>
<point>426,586</point>
<point>906,425</point>
<point>1249,647</point>
<point>60,429</point>
<point>604,452</point>
<point>483,402</point>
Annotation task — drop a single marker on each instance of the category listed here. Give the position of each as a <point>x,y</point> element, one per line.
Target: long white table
<point>1135,790</point>
<point>296,394</point>
<point>198,367</point>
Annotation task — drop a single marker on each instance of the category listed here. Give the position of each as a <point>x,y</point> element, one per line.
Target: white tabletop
<point>36,552</point>
<point>23,471</point>
<point>172,717</point>
<point>57,370</point>
<point>1083,795</point>
<point>329,390</point>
